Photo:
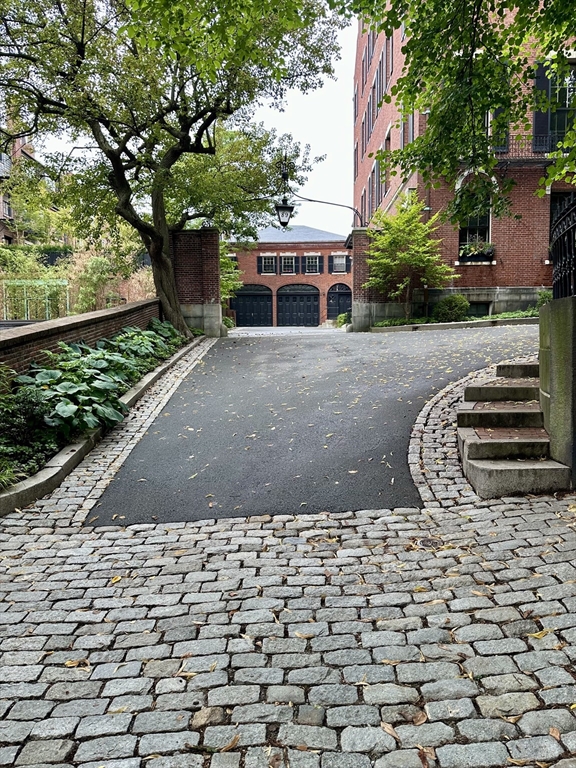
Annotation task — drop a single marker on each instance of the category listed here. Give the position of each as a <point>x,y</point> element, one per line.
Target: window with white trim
<point>339,263</point>
<point>269,265</point>
<point>312,266</point>
<point>288,265</point>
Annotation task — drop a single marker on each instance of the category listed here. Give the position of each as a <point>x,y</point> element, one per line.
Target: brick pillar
<point>196,259</point>
<point>364,300</point>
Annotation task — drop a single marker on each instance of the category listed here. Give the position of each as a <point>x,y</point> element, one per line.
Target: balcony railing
<point>562,248</point>
<point>531,146</point>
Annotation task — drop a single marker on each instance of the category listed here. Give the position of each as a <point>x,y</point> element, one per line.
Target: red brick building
<point>20,149</point>
<point>507,277</point>
<point>297,276</point>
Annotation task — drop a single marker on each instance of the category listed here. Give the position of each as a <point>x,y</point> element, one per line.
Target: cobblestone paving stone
<point>441,637</point>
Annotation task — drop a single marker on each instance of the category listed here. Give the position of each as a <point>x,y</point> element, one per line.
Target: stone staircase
<point>504,447</point>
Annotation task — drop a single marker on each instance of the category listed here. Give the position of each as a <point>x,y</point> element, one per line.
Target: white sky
<point>324,119</point>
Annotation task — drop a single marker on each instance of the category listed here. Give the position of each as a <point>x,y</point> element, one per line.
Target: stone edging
<point>464,324</point>
<point>51,475</point>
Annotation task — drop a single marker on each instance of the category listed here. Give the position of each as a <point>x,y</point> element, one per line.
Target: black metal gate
<point>563,250</point>
<point>339,300</point>
<point>253,305</point>
<point>298,305</point>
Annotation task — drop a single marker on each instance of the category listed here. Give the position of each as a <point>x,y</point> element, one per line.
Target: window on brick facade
<point>339,262</point>
<point>355,104</point>
<point>386,174</point>
<point>550,127</point>
<point>287,265</point>
<point>312,264</point>
<point>268,265</point>
<point>363,137</point>
<point>355,161</point>
<point>363,207</point>
<point>475,231</point>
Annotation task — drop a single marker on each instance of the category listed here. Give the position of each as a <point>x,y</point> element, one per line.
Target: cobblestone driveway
<point>442,636</point>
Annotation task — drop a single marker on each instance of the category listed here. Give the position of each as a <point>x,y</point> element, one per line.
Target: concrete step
<point>492,478</point>
<point>504,388</point>
<point>501,413</point>
<point>523,443</point>
<point>518,370</point>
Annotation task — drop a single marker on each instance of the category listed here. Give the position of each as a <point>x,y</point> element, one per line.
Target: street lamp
<point>284,209</point>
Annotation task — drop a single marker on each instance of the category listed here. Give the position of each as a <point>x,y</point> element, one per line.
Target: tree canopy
<point>141,87</point>
<point>470,66</point>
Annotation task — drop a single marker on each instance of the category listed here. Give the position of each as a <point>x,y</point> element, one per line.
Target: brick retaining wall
<point>19,346</point>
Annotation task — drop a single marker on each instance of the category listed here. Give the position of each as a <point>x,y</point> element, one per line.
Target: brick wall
<point>360,243</point>
<point>19,346</point>
<point>196,259</point>
<point>248,263</point>
<point>521,245</point>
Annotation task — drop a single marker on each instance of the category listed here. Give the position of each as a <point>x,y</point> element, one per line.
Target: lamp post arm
<point>326,202</point>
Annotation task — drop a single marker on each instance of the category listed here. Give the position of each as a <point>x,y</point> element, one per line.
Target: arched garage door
<point>298,305</point>
<point>253,305</point>
<point>339,300</point>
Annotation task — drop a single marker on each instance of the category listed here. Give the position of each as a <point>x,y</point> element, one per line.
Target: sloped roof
<point>298,234</point>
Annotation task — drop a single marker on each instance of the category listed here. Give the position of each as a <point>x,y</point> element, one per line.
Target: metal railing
<point>529,146</point>
<point>562,249</point>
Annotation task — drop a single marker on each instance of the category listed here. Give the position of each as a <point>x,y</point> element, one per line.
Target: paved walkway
<point>435,637</point>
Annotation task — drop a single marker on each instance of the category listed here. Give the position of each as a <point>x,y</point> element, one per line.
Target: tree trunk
<point>163,273</point>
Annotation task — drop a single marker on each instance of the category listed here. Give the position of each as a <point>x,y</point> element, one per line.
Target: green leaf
<point>25,380</point>
<point>46,376</point>
<point>69,388</point>
<point>66,409</point>
<point>109,414</point>
<point>106,385</point>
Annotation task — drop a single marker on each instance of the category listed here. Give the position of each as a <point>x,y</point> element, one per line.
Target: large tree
<point>145,85</point>
<point>471,67</point>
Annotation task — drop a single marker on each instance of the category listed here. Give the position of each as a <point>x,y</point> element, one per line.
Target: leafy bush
<point>530,312</point>
<point>451,309</point>
<point>392,322</point>
<point>78,390</point>
<point>229,322</point>
<point>544,297</point>
<point>343,319</point>
<point>8,474</point>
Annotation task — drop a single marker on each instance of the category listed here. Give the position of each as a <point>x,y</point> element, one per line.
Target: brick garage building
<point>293,277</point>
<point>511,276</point>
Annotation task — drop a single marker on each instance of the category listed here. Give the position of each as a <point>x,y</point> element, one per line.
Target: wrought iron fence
<point>562,249</point>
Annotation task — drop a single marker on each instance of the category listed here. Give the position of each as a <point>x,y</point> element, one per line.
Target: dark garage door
<point>298,305</point>
<point>253,305</point>
<point>339,300</point>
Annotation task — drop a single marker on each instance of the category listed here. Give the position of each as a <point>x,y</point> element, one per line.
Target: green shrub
<point>228,322</point>
<point>8,473</point>
<point>343,319</point>
<point>544,297</point>
<point>392,322</point>
<point>451,309</point>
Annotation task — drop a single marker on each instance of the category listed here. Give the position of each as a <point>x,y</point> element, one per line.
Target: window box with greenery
<point>477,251</point>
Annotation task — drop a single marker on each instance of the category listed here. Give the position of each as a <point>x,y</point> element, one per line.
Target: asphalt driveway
<point>297,423</point>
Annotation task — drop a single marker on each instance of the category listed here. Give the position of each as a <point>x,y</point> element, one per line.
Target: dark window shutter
<point>259,262</point>
<point>320,264</point>
<point>541,123</point>
<point>348,263</point>
<point>330,264</point>
<point>296,264</point>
